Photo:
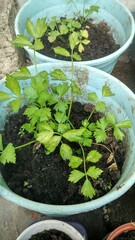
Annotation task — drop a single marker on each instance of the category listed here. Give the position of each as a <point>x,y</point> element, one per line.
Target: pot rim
<point>120,230</point>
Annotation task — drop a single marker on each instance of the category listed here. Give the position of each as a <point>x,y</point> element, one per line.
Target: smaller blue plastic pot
<point>67,228</point>
<point>117,15</point>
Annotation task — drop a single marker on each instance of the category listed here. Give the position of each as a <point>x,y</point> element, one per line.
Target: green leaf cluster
<point>36,32</point>
<point>48,114</point>
<point>48,107</point>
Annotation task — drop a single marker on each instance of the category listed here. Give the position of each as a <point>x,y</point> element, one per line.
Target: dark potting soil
<point>52,234</point>
<point>101,43</point>
<point>44,178</point>
<point>127,235</point>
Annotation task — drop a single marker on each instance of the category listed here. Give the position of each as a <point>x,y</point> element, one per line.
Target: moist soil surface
<point>127,236</point>
<point>101,43</point>
<point>50,235</point>
<point>44,178</point>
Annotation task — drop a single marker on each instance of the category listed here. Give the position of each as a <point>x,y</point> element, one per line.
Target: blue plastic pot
<point>123,106</point>
<point>113,12</point>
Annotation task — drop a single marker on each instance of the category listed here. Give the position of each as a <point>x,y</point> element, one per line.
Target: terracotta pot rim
<point>121,229</point>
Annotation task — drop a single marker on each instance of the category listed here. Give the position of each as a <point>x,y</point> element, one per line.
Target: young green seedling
<point>50,128</point>
<point>36,33</point>
<point>48,112</point>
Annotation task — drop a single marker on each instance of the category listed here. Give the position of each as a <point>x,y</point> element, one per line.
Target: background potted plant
<point>117,16</point>
<point>122,232</point>
<point>55,229</point>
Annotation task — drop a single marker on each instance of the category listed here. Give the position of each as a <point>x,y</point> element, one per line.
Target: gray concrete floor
<point>14,219</point>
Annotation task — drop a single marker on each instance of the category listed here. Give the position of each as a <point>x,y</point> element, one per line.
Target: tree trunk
<point>10,57</point>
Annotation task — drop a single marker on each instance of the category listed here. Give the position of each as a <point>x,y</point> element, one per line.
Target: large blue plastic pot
<point>113,12</point>
<point>123,106</point>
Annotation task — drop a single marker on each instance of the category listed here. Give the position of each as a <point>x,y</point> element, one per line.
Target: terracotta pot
<point>120,230</point>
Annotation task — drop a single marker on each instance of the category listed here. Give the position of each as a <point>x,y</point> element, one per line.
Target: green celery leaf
<point>53,99</point>
<point>40,81</point>
<point>87,134</point>
<point>46,126</point>
<point>41,27</point>
<point>60,117</point>
<point>85,123</point>
<point>38,45</point>
<point>44,137</point>
<point>100,135</point>
<point>102,123</point>
<point>76,56</point>
<point>75,23</point>
<point>93,156</point>
<point>22,41</point>
<point>30,93</point>
<point>62,89</point>
<point>52,23</point>
<point>63,127</point>
<point>61,51</point>
<point>100,107</point>
<point>92,97</point>
<point>85,41</point>
<point>13,85</point>
<point>124,124</point>
<point>75,176</point>
<point>53,36</point>
<point>31,110</point>
<point>75,162</point>
<point>30,28</point>
<point>73,39</point>
<point>52,143</point>
<point>94,172</point>
<point>1,144</point>
<point>43,97</point>
<point>74,135</point>
<point>85,34</point>
<point>22,74</point>
<point>93,8</point>
<point>80,48</point>
<point>58,74</point>
<point>63,29</point>
<point>61,106</point>
<point>28,127</point>
<point>75,88</point>
<point>87,189</point>
<point>92,127</point>
<point>45,114</point>
<point>65,151</point>
<point>87,142</point>
<point>111,118</point>
<point>106,91</point>
<point>8,155</point>
<point>118,133</point>
<point>4,96</point>
<point>15,104</point>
